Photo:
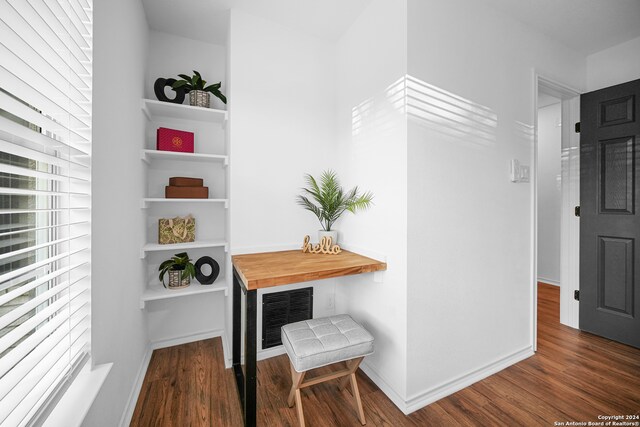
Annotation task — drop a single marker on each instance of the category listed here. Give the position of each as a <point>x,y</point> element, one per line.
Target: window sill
<point>78,398</point>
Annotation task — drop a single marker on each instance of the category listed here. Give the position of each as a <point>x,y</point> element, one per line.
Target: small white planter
<point>333,234</point>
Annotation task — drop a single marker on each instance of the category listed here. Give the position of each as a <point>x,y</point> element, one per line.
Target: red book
<point>174,140</point>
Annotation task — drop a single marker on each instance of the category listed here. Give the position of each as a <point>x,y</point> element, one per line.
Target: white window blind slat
<point>85,5</point>
<point>20,109</point>
<point>24,270</point>
<point>13,24</point>
<point>21,331</point>
<point>33,70</point>
<point>31,173</point>
<point>33,303</point>
<point>40,246</point>
<point>72,25</point>
<point>54,108</point>
<point>48,227</point>
<point>82,13</point>
<point>49,19</point>
<point>27,137</point>
<point>32,374</point>
<point>42,29</point>
<point>19,290</point>
<point>26,346</point>
<point>72,167</point>
<point>29,406</point>
<point>23,372</point>
<point>45,201</point>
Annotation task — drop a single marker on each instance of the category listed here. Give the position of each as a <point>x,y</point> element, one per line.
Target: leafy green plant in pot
<point>327,200</point>
<point>180,270</point>
<point>199,92</point>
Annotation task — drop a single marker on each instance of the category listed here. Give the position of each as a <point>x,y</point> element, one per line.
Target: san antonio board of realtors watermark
<point>604,421</point>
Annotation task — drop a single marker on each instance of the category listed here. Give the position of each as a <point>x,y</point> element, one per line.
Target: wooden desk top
<point>264,270</point>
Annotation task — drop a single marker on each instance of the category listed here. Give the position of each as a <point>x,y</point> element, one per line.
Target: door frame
<point>570,225</point>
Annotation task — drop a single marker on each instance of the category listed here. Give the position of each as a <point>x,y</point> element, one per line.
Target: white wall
<point>281,126</point>
<point>170,55</point>
<point>618,64</point>
<point>372,135</point>
<point>549,193</point>
<point>118,324</point>
<point>470,277</point>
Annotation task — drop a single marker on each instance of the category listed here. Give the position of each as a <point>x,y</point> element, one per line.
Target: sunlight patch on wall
<point>523,132</point>
<point>428,106</point>
<point>380,113</point>
<point>450,114</point>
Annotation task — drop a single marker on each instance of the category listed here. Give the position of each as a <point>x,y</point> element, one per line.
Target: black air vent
<point>280,308</point>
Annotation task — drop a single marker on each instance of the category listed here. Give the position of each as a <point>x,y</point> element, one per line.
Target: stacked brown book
<point>186,188</point>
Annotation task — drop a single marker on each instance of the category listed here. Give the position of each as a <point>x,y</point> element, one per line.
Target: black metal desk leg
<point>250,358</point>
<point>236,334</point>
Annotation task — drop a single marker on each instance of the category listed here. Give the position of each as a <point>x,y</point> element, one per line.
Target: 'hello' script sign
<point>324,247</point>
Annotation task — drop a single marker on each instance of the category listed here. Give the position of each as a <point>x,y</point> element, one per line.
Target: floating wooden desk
<point>264,270</point>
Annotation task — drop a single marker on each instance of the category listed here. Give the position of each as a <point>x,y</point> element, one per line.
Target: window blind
<point>45,200</point>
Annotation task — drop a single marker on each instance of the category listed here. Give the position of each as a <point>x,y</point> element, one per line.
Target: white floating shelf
<point>157,292</point>
<point>157,110</point>
<point>156,247</point>
<point>148,155</point>
<point>145,202</point>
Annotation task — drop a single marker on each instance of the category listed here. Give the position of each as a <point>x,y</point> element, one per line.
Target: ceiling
<point>587,26</point>
<point>326,19</point>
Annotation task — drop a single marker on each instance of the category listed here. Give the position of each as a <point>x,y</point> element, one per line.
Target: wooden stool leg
<point>294,394</point>
<point>352,366</point>
<point>299,408</point>
<point>296,380</point>
<point>356,396</point>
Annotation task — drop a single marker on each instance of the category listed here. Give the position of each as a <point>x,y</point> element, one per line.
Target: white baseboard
<point>199,336</point>
<point>426,397</point>
<point>549,281</point>
<point>125,420</point>
<point>262,355</point>
<point>271,352</point>
<point>384,386</point>
<point>144,365</point>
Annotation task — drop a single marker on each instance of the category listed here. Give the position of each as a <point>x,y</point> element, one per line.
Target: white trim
<point>569,229</point>
<point>76,401</point>
<point>570,225</point>
<point>271,352</point>
<point>225,350</point>
<point>184,339</point>
<point>125,420</point>
<point>549,281</point>
<point>426,397</point>
<point>384,386</point>
<point>534,219</point>
<point>127,415</point>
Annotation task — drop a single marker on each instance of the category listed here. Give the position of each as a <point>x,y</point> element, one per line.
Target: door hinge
<point>577,127</point>
<point>576,211</point>
<point>576,295</point>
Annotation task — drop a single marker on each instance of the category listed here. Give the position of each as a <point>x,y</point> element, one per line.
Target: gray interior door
<point>609,213</point>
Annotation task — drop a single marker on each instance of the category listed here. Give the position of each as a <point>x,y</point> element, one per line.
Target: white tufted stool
<point>320,342</point>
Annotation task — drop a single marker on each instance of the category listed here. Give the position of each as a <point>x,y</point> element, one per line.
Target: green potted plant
<point>199,92</point>
<point>327,200</point>
<point>180,271</point>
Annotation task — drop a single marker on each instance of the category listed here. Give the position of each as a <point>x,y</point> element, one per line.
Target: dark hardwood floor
<point>574,376</point>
